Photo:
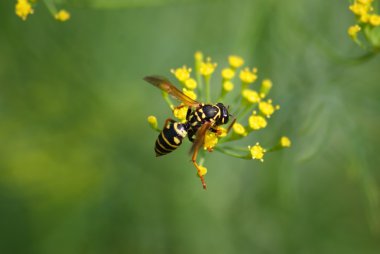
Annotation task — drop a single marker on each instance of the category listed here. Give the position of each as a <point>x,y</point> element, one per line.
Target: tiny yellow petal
<point>190,93</point>
<point>251,95</point>
<point>182,74</point>
<point>202,171</point>
<point>152,120</point>
<point>235,61</point>
<point>23,9</point>
<point>62,15</point>
<point>198,56</point>
<point>228,73</point>
<point>180,113</point>
<point>374,20</point>
<point>191,84</point>
<point>257,122</point>
<point>207,68</point>
<point>248,76</point>
<point>228,86</point>
<point>257,152</point>
<point>239,129</point>
<point>211,139</point>
<point>285,142</point>
<point>353,30</point>
<point>267,108</point>
<point>222,132</point>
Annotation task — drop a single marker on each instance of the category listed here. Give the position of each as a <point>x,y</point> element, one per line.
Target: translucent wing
<point>166,86</point>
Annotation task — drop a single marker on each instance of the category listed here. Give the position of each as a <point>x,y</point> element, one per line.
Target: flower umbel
<point>367,25</point>
<point>207,131</point>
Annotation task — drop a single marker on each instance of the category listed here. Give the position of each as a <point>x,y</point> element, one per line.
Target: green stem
<point>51,6</point>
<point>230,153</point>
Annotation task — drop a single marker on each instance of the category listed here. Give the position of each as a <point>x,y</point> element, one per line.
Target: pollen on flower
<point>207,68</point>
<point>152,120</point>
<point>191,84</point>
<point>23,8</point>
<point>248,76</point>
<point>267,108</point>
<point>239,129</point>
<point>202,171</point>
<point>180,113</point>
<point>285,142</point>
<point>228,73</point>
<point>235,61</point>
<point>62,15</point>
<point>353,31</point>
<point>257,122</point>
<point>182,74</point>
<point>211,139</point>
<point>251,95</point>
<point>257,152</point>
<point>228,86</point>
<point>190,93</point>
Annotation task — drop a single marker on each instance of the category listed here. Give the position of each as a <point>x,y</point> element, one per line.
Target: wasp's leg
<point>194,160</point>
<point>230,126</point>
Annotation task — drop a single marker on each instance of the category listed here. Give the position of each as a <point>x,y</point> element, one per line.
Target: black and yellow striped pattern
<point>170,138</point>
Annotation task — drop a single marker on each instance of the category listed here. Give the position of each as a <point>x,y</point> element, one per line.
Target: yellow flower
<point>207,68</point>
<point>152,120</point>
<point>180,113</point>
<point>374,20</point>
<point>222,132</point>
<point>267,108</point>
<point>365,2</point>
<point>62,15</point>
<point>358,9</point>
<point>235,61</point>
<point>353,30</point>
<point>202,171</point>
<point>211,139</point>
<point>251,95</point>
<point>191,84</point>
<point>198,56</point>
<point>257,152</point>
<point>228,74</point>
<point>239,129</point>
<point>257,122</point>
<point>266,85</point>
<point>248,76</point>
<point>228,86</point>
<point>285,142</point>
<point>23,9</point>
<point>190,93</point>
<point>182,74</point>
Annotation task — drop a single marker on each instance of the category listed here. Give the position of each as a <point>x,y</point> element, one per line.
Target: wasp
<point>200,118</point>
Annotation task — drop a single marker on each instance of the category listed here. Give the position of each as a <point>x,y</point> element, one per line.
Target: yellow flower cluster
<point>23,9</point>
<point>183,76</point>
<point>365,15</point>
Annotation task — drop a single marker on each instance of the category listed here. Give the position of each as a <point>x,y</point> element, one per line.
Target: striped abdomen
<point>170,138</point>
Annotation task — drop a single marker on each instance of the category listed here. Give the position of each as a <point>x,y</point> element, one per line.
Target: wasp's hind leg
<point>194,160</point>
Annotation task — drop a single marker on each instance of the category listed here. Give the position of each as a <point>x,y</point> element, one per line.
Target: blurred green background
<point>77,167</point>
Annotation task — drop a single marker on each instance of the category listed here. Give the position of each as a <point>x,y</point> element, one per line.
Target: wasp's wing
<point>200,137</point>
<point>166,86</point>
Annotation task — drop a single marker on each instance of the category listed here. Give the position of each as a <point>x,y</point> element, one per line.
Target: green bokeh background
<point>77,167</point>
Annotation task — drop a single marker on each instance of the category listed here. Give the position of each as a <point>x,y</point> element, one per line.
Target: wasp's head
<point>224,116</point>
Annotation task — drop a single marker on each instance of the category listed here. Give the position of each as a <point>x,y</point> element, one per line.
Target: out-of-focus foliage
<point>77,167</point>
